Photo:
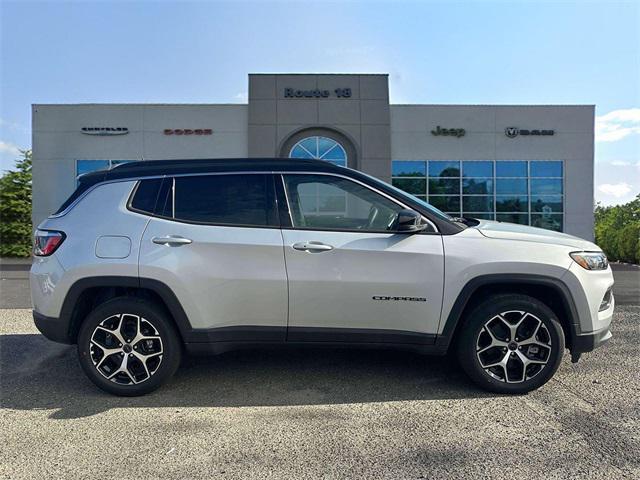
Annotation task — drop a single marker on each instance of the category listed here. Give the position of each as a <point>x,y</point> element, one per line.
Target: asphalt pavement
<point>320,414</point>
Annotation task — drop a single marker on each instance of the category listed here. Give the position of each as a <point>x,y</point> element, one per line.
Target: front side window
<point>234,200</point>
<point>325,202</point>
<point>320,148</point>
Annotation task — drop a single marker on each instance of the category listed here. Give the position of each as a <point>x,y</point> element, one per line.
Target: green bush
<point>617,231</point>
<point>15,209</point>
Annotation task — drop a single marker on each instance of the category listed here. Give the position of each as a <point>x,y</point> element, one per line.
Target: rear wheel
<point>511,344</point>
<point>128,346</point>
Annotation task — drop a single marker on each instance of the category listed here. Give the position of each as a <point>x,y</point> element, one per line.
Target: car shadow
<point>38,374</point>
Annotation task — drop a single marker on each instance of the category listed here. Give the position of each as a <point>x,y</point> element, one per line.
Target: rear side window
<point>146,195</point>
<point>243,200</point>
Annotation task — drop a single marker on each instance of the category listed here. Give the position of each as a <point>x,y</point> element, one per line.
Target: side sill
<point>216,348</point>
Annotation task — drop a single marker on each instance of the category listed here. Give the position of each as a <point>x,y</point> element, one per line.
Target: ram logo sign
<point>513,132</point>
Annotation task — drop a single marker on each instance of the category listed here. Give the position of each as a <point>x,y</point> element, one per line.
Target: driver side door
<point>351,277</point>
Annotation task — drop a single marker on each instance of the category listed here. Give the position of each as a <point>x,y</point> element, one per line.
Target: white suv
<point>154,257</point>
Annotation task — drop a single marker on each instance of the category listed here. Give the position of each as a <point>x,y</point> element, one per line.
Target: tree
<point>15,209</point>
<point>617,230</point>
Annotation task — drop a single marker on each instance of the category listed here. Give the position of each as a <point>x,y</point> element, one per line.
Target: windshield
<point>403,194</point>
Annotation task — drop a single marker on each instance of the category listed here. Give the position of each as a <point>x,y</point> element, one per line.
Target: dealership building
<point>527,164</point>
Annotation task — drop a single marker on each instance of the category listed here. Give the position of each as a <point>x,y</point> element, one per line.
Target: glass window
<point>510,168</point>
<point>479,216</point>
<point>86,166</point>
<point>548,221</point>
<point>519,191</point>
<point>511,185</point>
<point>408,169</point>
<point>443,186</point>
<point>477,203</point>
<point>546,169</point>
<point>512,203</point>
<point>325,202</point>
<point>522,219</point>
<point>320,148</point>
<point>546,186</point>
<point>144,199</point>
<point>477,186</point>
<point>224,199</point>
<point>414,186</point>
<point>546,204</point>
<point>447,204</point>
<point>477,169</point>
<point>444,169</point>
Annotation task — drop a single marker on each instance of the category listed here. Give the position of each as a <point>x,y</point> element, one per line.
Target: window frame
<point>272,206</point>
<point>285,207</point>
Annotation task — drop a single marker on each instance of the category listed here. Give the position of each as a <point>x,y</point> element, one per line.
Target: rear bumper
<point>52,328</point>
<point>588,342</point>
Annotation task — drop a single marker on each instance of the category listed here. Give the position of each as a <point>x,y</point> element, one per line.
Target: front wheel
<point>128,346</point>
<point>511,344</point>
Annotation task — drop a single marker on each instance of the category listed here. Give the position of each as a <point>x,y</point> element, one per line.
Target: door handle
<point>171,240</point>
<point>312,246</point>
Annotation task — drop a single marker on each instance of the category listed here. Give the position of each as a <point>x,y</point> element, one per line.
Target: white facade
<point>373,139</point>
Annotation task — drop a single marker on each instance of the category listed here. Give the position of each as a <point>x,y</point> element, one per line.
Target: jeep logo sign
<point>452,132</point>
<point>513,132</point>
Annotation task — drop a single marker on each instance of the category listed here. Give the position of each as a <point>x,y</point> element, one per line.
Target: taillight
<point>46,242</point>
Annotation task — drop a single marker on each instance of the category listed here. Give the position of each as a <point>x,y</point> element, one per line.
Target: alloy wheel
<point>514,346</point>
<point>126,349</point>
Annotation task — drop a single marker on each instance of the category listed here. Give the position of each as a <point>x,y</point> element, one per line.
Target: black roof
<point>148,168</point>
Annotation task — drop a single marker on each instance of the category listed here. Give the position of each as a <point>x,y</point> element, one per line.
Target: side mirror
<point>409,221</point>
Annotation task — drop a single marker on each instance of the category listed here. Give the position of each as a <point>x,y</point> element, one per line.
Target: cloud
<point>242,97</point>
<point>617,190</point>
<point>618,124</point>
<point>9,148</point>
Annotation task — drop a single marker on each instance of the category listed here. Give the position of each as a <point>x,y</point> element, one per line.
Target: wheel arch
<point>87,293</point>
<point>549,290</point>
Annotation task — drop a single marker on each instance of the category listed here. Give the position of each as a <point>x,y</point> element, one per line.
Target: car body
<point>236,253</point>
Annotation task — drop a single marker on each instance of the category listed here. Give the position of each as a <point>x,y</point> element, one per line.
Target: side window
<point>326,202</point>
<point>244,200</point>
<point>145,196</point>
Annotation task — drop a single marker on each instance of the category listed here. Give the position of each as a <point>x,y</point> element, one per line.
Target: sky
<point>503,52</point>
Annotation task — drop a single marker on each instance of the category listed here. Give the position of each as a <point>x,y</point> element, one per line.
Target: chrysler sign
<point>513,132</point>
<point>104,131</point>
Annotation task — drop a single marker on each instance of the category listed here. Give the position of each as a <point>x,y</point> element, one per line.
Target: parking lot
<point>318,413</point>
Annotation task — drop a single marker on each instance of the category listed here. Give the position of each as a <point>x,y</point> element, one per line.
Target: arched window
<point>321,148</point>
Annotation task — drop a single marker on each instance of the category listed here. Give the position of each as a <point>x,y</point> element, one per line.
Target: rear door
<point>351,277</point>
<point>216,243</point>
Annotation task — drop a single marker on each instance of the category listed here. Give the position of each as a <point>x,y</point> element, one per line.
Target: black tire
<point>475,342</point>
<point>161,359</point>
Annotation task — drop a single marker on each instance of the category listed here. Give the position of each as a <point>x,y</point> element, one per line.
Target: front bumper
<point>52,328</point>
<point>588,342</point>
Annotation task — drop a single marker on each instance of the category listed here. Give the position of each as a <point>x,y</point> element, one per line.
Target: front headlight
<point>590,260</point>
